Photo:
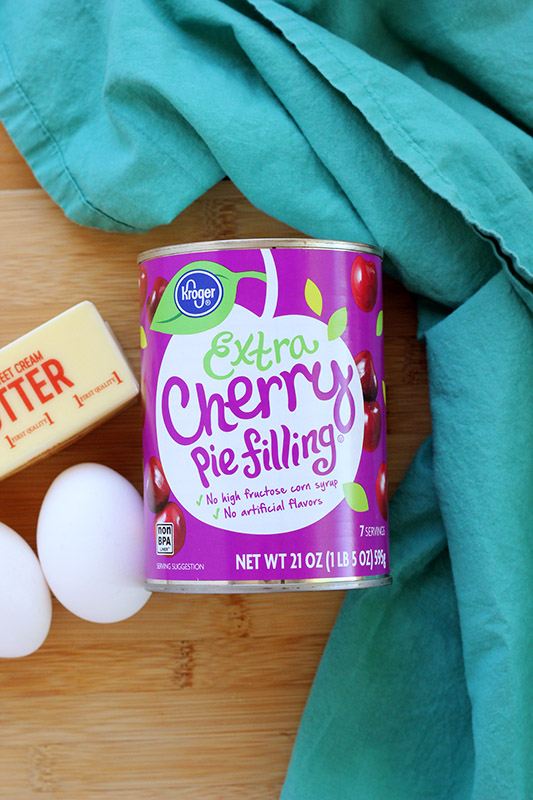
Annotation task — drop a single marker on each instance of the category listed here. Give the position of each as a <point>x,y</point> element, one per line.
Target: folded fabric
<point>402,124</point>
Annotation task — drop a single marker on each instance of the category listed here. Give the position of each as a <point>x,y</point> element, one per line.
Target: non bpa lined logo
<point>198,293</point>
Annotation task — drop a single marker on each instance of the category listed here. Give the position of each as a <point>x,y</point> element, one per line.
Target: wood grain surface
<point>195,697</point>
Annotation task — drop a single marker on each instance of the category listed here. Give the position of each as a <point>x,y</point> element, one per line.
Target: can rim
<point>266,587</point>
<point>248,244</point>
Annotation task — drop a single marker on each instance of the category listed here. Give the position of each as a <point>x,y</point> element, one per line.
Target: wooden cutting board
<point>196,697</point>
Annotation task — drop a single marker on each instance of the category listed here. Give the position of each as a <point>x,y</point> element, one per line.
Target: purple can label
<point>264,430</point>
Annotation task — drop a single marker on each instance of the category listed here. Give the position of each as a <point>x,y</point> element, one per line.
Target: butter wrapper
<point>57,382</point>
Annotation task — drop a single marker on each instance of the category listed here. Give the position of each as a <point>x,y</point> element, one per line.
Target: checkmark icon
<point>199,502</point>
<point>215,516</point>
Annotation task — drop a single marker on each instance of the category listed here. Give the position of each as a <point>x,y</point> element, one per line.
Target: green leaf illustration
<point>379,324</point>
<point>169,319</point>
<point>337,323</point>
<point>313,297</point>
<point>144,343</point>
<point>384,392</point>
<point>355,496</point>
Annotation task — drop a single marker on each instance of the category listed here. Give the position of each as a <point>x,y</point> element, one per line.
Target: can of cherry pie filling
<point>264,416</point>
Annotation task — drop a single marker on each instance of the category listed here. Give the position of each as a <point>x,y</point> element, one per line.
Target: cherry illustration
<point>382,491</point>
<point>367,374</point>
<point>364,281</point>
<point>143,284</point>
<point>156,488</point>
<point>160,284</point>
<point>172,513</point>
<point>372,430</point>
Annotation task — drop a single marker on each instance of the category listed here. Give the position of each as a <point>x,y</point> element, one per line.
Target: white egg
<point>90,542</point>
<point>25,602</point>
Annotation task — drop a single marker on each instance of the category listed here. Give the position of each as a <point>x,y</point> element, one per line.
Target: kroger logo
<point>198,293</point>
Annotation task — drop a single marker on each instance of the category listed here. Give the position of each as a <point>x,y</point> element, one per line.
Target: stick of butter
<point>56,383</point>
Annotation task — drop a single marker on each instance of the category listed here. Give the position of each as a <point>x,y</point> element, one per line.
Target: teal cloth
<point>403,124</point>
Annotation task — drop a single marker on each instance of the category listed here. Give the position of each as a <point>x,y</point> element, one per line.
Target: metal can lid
<point>249,244</point>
